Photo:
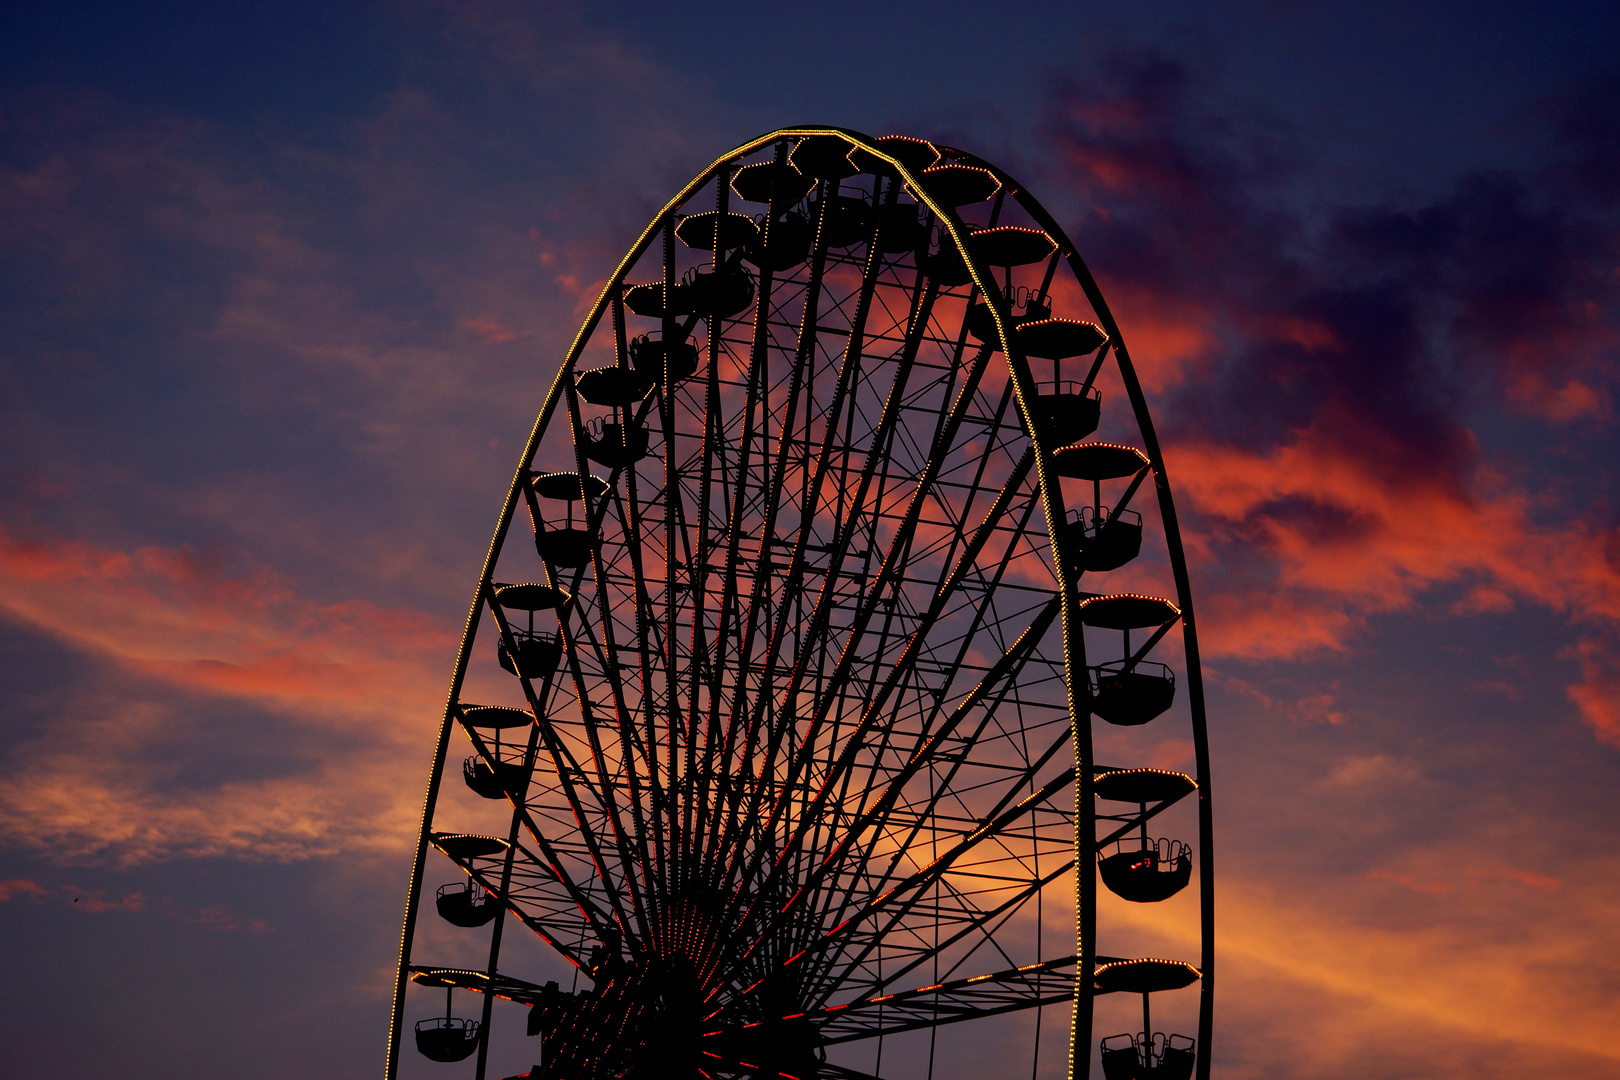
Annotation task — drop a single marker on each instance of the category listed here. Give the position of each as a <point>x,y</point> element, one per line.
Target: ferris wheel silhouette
<point>835,592</point>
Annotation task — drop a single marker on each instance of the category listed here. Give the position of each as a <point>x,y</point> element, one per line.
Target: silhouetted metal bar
<point>1096,366</point>
<point>758,354</point>
<point>872,820</point>
<point>567,768</point>
<point>906,893</point>
<point>630,514</point>
<point>967,558</point>
<point>495,947</point>
<point>1076,677</point>
<point>893,560</point>
<point>847,368</point>
<point>1132,822</point>
<point>983,918</point>
<point>623,714</point>
<point>1147,646</point>
<point>905,662</point>
<point>914,885</point>
<point>630,869</point>
<point>804,356</point>
<point>562,760</point>
<point>502,986</point>
<point>830,689</point>
<point>491,885</point>
<point>1136,482</point>
<point>698,568</point>
<point>1002,677</point>
<point>636,867</point>
<point>948,1003</point>
<point>666,414</point>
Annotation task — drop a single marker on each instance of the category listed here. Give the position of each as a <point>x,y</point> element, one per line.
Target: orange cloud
<point>1168,335</point>
<point>1311,542</point>
<point>1343,542</point>
<point>1473,876</point>
<point>1529,984</point>
<point>1269,626</point>
<point>172,613</point>
<point>79,790</point>
<point>1408,881</point>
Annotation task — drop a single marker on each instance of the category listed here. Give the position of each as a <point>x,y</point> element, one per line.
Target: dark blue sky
<point>1401,97</point>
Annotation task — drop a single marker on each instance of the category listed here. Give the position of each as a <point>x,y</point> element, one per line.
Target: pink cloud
<point>99,901</point>
<point>1597,695</point>
<point>490,330</point>
<point>1574,400</point>
<point>20,887</point>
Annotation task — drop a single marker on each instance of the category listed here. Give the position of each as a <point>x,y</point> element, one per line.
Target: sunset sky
<point>280,293</point>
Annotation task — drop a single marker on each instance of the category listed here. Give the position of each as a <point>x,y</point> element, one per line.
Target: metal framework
<point>794,749</point>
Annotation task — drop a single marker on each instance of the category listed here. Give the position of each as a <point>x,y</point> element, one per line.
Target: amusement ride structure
<point>815,732</point>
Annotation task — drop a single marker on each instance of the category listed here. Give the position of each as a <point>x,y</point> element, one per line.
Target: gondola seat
<point>1129,697</point>
<point>718,293</point>
<point>848,220</point>
<point>648,356</point>
<point>507,778</point>
<point>566,547</point>
<point>465,904</point>
<point>447,1038</point>
<point>1068,415</point>
<point>613,444</point>
<point>536,654</point>
<point>1145,875</point>
<point>1097,545</point>
<point>788,244</point>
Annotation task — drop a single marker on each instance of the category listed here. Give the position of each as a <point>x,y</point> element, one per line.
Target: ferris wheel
<point>821,716</point>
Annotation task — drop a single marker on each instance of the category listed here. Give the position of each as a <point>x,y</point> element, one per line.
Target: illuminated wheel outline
<point>665,876</point>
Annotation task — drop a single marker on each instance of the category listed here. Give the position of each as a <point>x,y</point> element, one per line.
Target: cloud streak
<point>319,675</point>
